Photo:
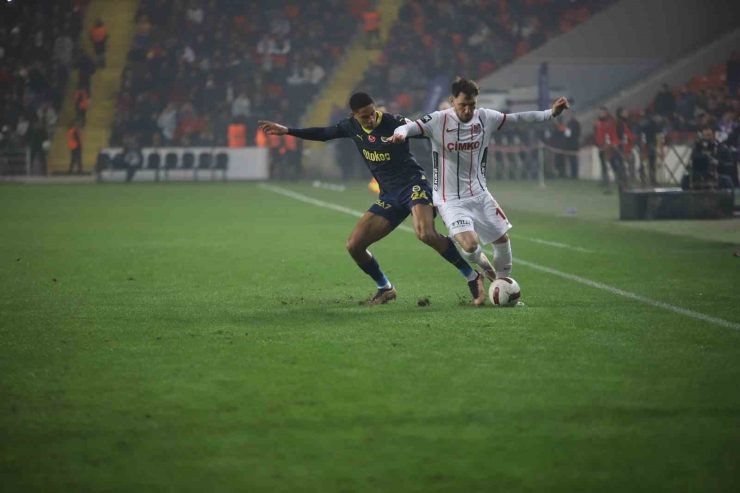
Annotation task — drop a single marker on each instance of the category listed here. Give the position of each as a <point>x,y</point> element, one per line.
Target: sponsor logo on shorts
<point>383,204</point>
<point>461,223</point>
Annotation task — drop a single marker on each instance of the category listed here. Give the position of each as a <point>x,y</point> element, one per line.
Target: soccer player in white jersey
<point>460,136</point>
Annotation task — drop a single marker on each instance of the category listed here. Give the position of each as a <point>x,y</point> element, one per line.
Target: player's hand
<point>560,105</point>
<point>397,138</point>
<point>272,128</point>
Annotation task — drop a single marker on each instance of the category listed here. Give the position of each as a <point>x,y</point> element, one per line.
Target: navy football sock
<point>453,256</point>
<point>372,269</point>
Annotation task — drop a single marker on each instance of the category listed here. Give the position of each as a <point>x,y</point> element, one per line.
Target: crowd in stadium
<point>472,37</point>
<point>39,48</point>
<point>709,104</point>
<point>198,67</point>
<point>202,72</point>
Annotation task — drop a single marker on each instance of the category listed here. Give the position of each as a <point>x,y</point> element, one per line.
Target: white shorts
<point>480,214</point>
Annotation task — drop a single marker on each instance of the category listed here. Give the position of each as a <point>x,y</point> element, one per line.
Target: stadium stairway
<point>351,70</point>
<point>119,16</point>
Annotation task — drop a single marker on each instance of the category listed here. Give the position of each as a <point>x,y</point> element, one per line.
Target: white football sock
<point>502,259</point>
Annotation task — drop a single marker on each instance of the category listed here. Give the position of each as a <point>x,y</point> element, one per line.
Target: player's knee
<point>427,236</point>
<point>468,245</point>
<point>354,247</point>
<point>503,239</point>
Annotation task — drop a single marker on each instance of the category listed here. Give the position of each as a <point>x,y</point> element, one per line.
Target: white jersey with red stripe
<point>460,151</point>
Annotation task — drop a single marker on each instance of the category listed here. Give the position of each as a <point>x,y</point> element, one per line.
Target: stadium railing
<point>15,162</point>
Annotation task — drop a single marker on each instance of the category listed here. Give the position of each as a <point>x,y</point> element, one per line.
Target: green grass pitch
<point>190,338</point>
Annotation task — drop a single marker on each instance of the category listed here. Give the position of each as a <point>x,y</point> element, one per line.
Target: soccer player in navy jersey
<point>404,190</point>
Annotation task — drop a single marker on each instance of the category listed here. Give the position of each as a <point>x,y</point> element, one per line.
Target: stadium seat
<point>188,161</point>
<point>205,161</point>
<point>118,163</point>
<point>154,161</point>
<point>222,163</point>
<point>170,162</point>
<point>103,162</point>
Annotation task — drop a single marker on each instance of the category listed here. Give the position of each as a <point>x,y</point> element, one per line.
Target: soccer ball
<point>504,292</point>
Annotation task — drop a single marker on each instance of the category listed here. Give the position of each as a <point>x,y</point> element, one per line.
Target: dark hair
<point>465,86</point>
<point>360,100</point>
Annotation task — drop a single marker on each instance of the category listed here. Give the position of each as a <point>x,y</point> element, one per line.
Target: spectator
<point>241,107</point>
<point>188,125</point>
<point>573,143</point>
<point>74,144</point>
<point>665,103</point>
<point>86,69</point>
<point>64,50</point>
<point>207,134</point>
<point>733,74</point>
<point>652,139</point>
<point>47,116</point>
<point>371,26</point>
<point>38,142</point>
<point>167,122</point>
<point>626,142</point>
<point>195,13</point>
<point>99,38</point>
<point>313,73</point>
<point>686,106</point>
<point>606,140</point>
<point>82,102</point>
<point>558,141</point>
<point>21,129</point>
<point>708,159</point>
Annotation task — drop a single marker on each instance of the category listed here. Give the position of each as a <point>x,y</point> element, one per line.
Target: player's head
<point>363,110</point>
<point>464,98</point>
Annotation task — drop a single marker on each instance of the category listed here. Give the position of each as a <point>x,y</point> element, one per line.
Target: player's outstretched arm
<point>538,116</point>
<point>321,134</point>
<point>411,129</point>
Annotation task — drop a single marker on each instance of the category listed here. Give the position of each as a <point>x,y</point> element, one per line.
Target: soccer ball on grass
<point>504,291</point>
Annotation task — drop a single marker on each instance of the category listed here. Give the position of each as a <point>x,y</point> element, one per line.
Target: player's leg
<point>473,252</point>
<point>369,229</point>
<point>491,224</point>
<point>423,216</point>
<point>503,260</point>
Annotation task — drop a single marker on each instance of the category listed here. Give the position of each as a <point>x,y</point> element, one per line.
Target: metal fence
<point>15,162</point>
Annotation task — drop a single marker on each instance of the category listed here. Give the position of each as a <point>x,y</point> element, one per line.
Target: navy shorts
<point>397,206</point>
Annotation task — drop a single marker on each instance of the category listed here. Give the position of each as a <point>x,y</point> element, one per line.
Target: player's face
<point>367,116</point>
<point>464,106</point>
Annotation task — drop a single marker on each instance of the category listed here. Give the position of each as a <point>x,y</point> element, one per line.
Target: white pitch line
<point>554,244</point>
<point>531,265</point>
